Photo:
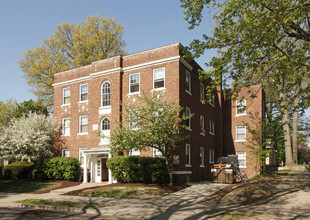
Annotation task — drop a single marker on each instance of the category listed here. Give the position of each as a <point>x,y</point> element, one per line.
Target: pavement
<point>184,204</point>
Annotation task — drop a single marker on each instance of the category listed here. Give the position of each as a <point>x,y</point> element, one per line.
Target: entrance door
<point>98,171</point>
<point>105,172</point>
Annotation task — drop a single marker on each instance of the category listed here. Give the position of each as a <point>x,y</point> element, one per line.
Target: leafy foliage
<point>154,122</point>
<point>138,169</point>
<point>28,107</point>
<point>18,170</point>
<point>260,42</point>
<point>60,168</point>
<point>7,111</point>
<point>70,46</point>
<point>28,138</point>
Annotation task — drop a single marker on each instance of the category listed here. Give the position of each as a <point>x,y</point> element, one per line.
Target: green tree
<point>265,42</point>
<point>154,122</point>
<point>7,111</point>
<point>29,137</point>
<point>70,46</point>
<point>28,107</point>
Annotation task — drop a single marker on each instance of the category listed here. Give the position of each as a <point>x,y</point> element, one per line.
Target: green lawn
<point>58,203</point>
<point>23,186</point>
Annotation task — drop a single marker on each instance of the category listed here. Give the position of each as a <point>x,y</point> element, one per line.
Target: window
<point>211,124</point>
<point>133,122</point>
<point>84,92</point>
<point>211,156</point>
<point>188,114</point>
<point>66,96</point>
<point>240,133</point>
<point>66,126</point>
<point>105,131</point>
<point>188,82</point>
<point>241,159</point>
<point>202,92</point>
<point>105,94</point>
<point>202,156</point>
<point>134,153</point>
<point>82,155</point>
<point>159,78</point>
<point>157,152</point>
<point>202,124</point>
<point>241,107</point>
<point>83,127</point>
<point>188,154</point>
<point>134,83</point>
<point>65,152</point>
<point>212,101</point>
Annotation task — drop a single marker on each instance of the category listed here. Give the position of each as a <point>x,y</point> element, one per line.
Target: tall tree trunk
<point>295,128</point>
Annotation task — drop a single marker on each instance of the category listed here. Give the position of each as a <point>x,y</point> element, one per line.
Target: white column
<point>85,168</point>
<point>92,167</point>
<point>110,172</point>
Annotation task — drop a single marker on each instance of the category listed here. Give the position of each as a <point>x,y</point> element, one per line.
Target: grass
<point>23,186</point>
<point>125,192</point>
<point>3,197</point>
<point>58,203</point>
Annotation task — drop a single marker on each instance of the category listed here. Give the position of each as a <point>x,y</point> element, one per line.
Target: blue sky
<point>24,24</point>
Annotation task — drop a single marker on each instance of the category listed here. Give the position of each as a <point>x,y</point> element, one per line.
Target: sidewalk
<point>183,204</point>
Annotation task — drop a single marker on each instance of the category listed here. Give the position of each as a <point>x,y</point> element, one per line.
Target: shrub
<point>59,168</point>
<point>138,169</point>
<point>18,170</point>
<point>1,172</point>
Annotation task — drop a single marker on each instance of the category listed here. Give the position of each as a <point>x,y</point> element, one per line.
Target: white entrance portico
<point>98,169</point>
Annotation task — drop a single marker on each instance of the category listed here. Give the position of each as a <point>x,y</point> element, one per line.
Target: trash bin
<point>223,173</point>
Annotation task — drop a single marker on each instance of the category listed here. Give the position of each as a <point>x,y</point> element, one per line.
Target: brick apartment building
<point>88,100</point>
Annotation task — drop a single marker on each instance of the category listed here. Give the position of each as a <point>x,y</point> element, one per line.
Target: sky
<point>147,25</point>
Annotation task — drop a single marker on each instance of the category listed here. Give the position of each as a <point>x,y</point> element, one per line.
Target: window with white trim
<point>84,92</point>
<point>105,131</point>
<point>65,152</point>
<point>241,159</point>
<point>66,96</point>
<point>157,152</point>
<point>202,92</point>
<point>241,107</point>
<point>133,121</point>
<point>134,83</point>
<point>188,82</point>
<point>211,156</point>
<point>82,155</point>
<point>241,133</point>
<point>105,94</point>
<point>134,153</point>
<point>202,156</point>
<point>188,154</point>
<point>202,124</point>
<point>211,125</point>
<point>159,78</point>
<point>188,121</point>
<point>83,124</point>
<point>66,126</point>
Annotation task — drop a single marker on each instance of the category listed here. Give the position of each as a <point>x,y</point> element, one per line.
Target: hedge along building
<point>88,100</point>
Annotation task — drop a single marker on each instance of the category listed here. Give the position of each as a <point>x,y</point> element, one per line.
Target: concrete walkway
<point>183,204</point>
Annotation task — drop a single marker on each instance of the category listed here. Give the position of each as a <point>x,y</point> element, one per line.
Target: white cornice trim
<point>101,73</point>
<point>185,63</point>
<point>181,172</point>
<point>119,69</point>
<point>156,62</point>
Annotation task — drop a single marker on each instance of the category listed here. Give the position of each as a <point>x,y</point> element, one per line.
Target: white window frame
<point>202,125</point>
<point>188,90</point>
<point>202,156</point>
<point>240,107</point>
<point>241,156</point>
<point>211,156</point>
<point>137,83</point>
<point>188,155</point>
<point>211,127</point>
<point>164,78</point>
<point>80,124</point>
<point>238,128</point>
<point>202,93</point>
<point>82,156</point>
<point>188,113</point>
<point>65,152</point>
<point>84,84</point>
<point>63,96</point>
<point>157,153</point>
<point>102,94</point>
<point>64,127</point>
<point>134,153</point>
<point>107,132</point>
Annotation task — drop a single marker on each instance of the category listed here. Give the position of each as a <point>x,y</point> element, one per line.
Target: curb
<point>55,208</point>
